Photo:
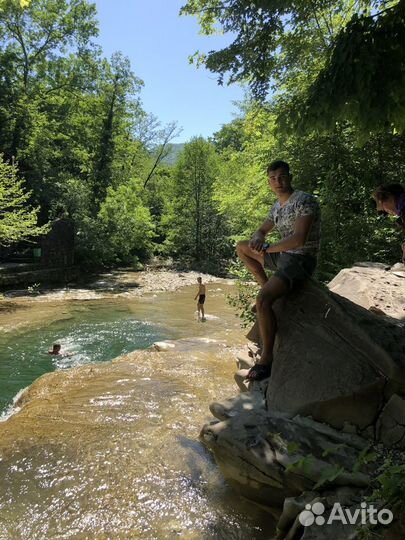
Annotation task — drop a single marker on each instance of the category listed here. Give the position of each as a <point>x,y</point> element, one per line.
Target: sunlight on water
<point>111,450</point>
<point>96,334</point>
<point>97,342</point>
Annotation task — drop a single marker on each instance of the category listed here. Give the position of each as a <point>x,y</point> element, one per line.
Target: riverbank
<point>116,283</point>
<point>122,436</point>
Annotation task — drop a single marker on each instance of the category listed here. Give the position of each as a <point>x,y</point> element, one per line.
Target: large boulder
<point>274,457</point>
<point>337,387</point>
<point>333,359</point>
<point>373,286</point>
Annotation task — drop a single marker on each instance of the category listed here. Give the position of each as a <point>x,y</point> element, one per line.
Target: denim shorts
<point>290,267</point>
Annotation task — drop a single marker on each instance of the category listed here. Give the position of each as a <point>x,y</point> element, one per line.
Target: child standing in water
<point>201,299</point>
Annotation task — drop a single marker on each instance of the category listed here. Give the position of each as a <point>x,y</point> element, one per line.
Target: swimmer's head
<point>56,348</point>
<point>199,280</point>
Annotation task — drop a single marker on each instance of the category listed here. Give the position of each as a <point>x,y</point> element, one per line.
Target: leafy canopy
<point>364,80</point>
<point>22,3</point>
<point>333,59</point>
<point>17,220</point>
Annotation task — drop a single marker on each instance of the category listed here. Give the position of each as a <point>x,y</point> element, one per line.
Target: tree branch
<point>318,24</point>
<point>15,31</point>
<point>169,135</point>
<point>44,45</point>
<point>381,12</point>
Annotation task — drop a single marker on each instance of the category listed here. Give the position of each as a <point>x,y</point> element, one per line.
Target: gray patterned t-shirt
<point>284,218</point>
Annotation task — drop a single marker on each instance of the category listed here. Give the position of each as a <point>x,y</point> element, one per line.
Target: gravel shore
<point>117,283</point>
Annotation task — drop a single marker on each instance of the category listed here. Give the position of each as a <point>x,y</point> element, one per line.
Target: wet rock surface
<point>112,451</point>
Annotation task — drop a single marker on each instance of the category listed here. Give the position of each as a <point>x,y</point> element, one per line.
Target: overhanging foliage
<point>330,60</point>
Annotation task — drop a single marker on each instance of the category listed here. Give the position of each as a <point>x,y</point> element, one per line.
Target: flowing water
<point>110,450</point>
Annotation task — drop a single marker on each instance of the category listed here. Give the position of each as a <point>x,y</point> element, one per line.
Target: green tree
<point>68,115</point>
<point>119,108</point>
<point>17,220</point>
<point>37,39</point>
<point>367,61</point>
<point>270,40</point>
<point>48,64</point>
<point>126,224</point>
<point>195,228</point>
<point>241,189</point>
<point>22,3</point>
<point>340,172</point>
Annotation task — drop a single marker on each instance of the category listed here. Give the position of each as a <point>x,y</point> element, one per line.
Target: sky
<point>158,42</point>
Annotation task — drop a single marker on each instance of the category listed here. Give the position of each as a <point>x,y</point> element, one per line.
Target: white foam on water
<point>12,408</point>
<point>66,362</point>
<point>211,317</point>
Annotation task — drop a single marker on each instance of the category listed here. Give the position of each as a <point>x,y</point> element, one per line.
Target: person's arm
<point>257,240</point>
<point>302,229</point>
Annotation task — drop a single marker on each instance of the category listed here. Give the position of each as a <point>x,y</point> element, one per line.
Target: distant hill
<point>175,150</point>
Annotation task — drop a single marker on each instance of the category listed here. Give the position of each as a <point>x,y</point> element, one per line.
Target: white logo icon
<point>364,515</point>
<point>307,516</point>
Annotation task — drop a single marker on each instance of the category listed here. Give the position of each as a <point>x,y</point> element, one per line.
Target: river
<point>110,450</point>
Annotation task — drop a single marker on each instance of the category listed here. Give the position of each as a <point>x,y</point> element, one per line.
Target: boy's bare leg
<point>253,261</point>
<point>273,289</point>
<point>202,311</point>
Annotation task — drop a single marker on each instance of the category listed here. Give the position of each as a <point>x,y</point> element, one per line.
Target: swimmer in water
<point>56,351</point>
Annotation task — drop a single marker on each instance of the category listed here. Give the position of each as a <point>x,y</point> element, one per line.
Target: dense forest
<point>324,84</point>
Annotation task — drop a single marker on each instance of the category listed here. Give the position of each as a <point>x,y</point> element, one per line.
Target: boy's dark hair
<point>382,193</point>
<point>278,164</point>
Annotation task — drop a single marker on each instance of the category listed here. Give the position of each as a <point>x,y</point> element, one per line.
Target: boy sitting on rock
<point>296,216</point>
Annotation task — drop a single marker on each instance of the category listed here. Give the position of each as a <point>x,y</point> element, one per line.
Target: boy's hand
<point>256,242</point>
